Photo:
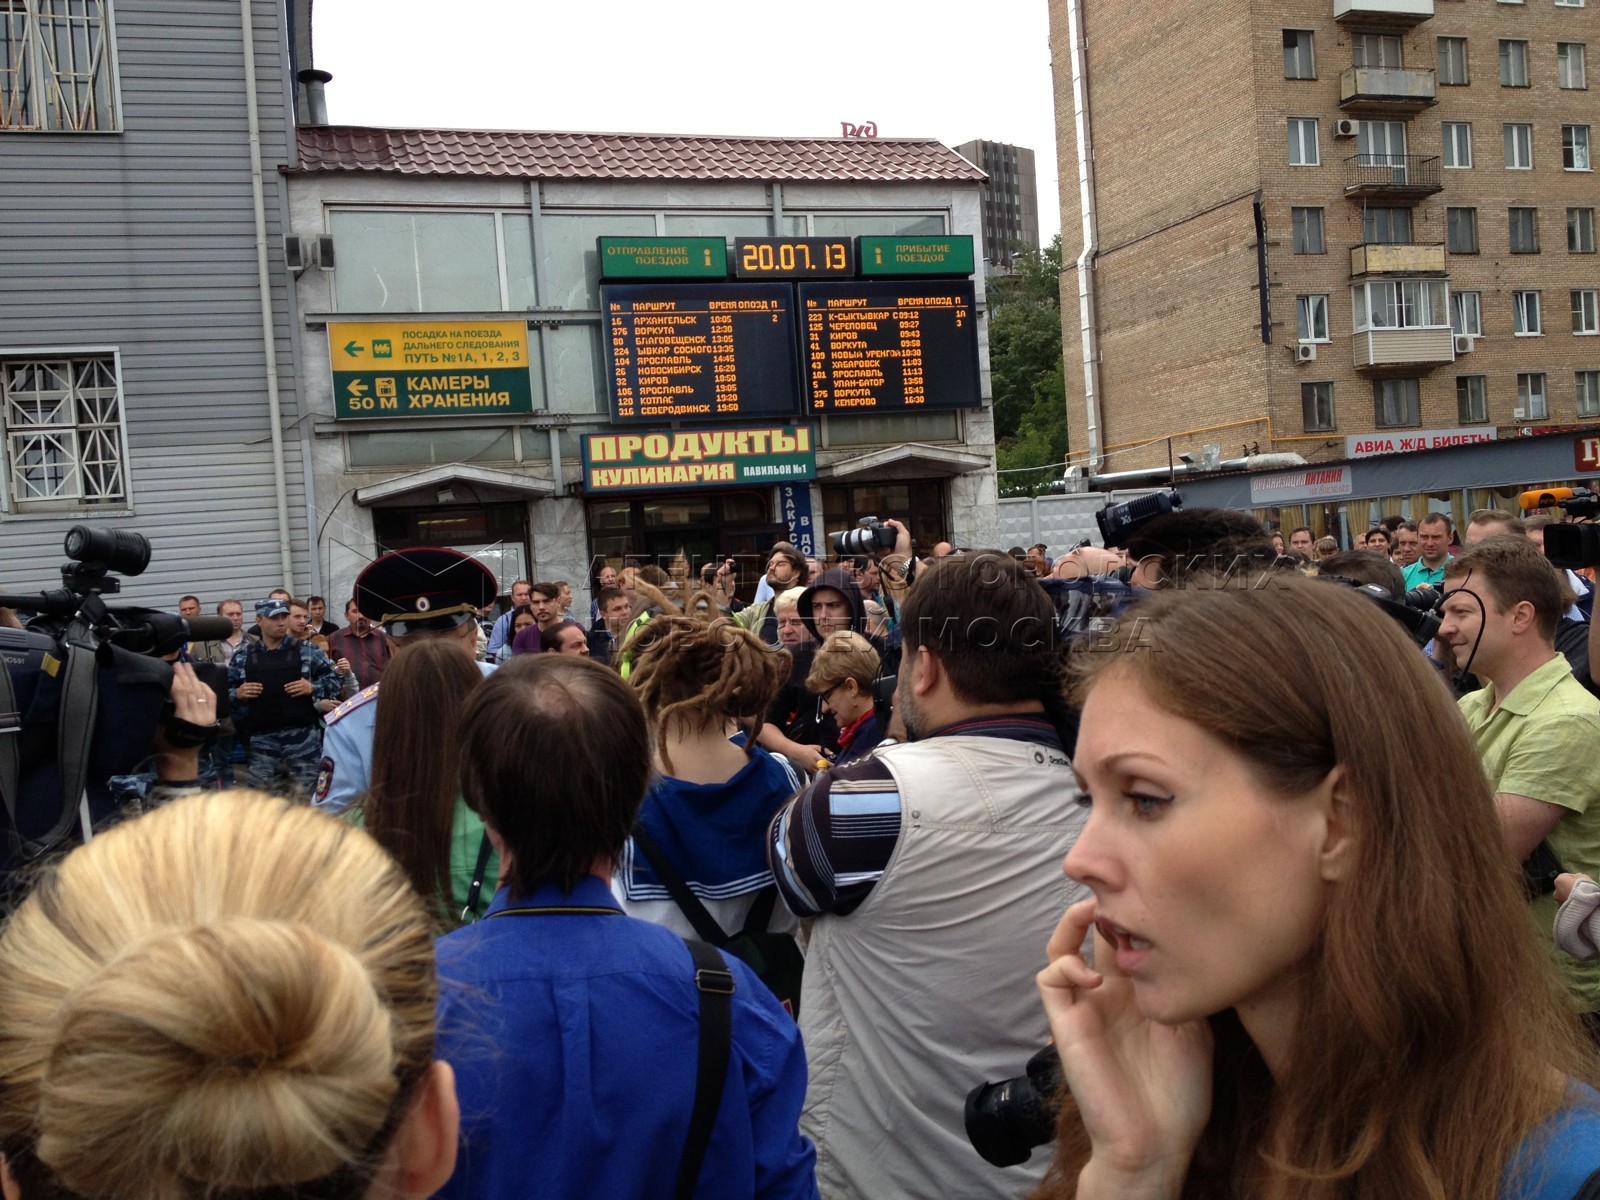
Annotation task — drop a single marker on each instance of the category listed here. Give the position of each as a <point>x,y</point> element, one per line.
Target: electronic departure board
<point>794,258</point>
<point>679,351</point>
<point>882,346</point>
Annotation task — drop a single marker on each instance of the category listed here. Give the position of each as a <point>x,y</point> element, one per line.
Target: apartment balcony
<point>1395,14</point>
<point>1386,258</point>
<point>1396,351</point>
<point>1392,179</point>
<point>1388,91</point>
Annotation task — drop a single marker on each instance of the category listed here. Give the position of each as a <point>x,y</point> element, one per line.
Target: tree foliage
<point>1028,379</point>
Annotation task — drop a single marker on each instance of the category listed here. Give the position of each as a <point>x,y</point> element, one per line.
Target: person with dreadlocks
<point>930,869</point>
<point>705,685</point>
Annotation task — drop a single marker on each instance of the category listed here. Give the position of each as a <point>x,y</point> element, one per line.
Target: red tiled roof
<point>628,156</point>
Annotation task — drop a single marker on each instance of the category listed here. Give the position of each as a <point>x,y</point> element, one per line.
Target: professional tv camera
<point>84,690</point>
<point>1566,544</point>
<point>1119,522</point>
<point>869,534</point>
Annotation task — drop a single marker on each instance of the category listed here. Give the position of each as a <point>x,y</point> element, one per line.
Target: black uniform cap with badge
<point>425,589</point>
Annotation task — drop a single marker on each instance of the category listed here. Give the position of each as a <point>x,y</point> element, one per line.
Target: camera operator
<point>930,869</point>
<point>274,686</point>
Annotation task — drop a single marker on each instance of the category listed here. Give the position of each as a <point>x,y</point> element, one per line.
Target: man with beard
<point>932,872</point>
<point>786,567</point>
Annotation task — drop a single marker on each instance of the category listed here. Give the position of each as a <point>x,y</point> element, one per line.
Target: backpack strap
<point>469,910</point>
<point>10,756</point>
<point>79,705</point>
<point>715,984</point>
<point>759,917</point>
<point>705,926</point>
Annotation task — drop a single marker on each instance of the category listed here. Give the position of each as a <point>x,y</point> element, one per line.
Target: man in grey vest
<point>933,872</point>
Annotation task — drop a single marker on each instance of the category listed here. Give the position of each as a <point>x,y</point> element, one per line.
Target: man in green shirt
<point>1433,535</point>
<point>1537,729</point>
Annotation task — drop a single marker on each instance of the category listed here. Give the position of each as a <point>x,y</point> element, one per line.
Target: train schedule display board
<point>875,346</point>
<point>700,351</point>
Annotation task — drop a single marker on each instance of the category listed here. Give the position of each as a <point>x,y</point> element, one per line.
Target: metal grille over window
<point>56,70</point>
<point>63,425</point>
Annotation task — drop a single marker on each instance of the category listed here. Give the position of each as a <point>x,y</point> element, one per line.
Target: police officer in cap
<point>413,594</point>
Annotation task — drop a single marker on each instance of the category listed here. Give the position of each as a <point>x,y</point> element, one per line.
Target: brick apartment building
<point>1010,199</point>
<point>1411,182</point>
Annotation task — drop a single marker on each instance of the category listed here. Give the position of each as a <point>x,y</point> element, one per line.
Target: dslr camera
<point>1006,1120</point>
<point>869,534</point>
<point>1119,522</point>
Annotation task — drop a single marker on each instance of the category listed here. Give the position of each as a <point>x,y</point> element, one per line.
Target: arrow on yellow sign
<point>357,388</point>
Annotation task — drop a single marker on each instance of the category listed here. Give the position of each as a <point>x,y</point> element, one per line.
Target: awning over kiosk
<point>488,485</point>
<point>914,460</point>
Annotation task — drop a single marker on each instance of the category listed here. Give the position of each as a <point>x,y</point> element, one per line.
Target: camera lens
<point>117,550</point>
<point>1006,1120</point>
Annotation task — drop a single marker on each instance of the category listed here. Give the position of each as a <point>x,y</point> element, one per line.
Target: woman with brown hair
<point>705,686</point>
<point>413,806</point>
<point>1313,970</point>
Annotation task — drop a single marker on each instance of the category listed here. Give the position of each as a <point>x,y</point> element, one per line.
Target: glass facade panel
<point>568,263</point>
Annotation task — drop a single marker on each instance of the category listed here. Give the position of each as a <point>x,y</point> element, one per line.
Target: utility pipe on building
<point>264,284</point>
<point>1091,231</point>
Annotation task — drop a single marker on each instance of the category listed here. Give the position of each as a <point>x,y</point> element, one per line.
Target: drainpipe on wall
<point>264,284</point>
<point>1091,232</point>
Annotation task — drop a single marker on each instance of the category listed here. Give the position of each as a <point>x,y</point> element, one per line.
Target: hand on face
<point>1143,1088</point>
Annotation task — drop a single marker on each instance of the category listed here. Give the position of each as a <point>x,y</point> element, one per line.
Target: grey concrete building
<point>1010,198</point>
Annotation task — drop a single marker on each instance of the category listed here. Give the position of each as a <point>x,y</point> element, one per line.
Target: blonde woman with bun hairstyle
<point>231,996</point>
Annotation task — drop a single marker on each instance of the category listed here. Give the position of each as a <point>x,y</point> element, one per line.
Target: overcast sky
<point>918,69</point>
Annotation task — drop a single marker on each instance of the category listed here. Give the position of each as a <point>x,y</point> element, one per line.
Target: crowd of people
<point>740,895</point>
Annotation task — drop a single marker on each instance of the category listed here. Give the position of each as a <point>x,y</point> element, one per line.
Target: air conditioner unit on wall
<point>322,252</point>
<point>1305,352</point>
<point>1463,343</point>
<point>1346,128</point>
<point>294,252</point>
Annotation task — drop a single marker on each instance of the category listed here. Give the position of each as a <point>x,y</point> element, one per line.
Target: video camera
<point>1119,522</point>
<point>83,691</point>
<point>1566,544</point>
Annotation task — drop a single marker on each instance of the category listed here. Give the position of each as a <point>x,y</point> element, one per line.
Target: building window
<point>1526,320</point>
<point>1399,304</point>
<point>1461,230</point>
<point>1519,147</point>
<point>1396,402</point>
<point>1316,407</point>
<point>63,427</point>
<point>1580,230</point>
<point>1586,311</point>
<point>1457,144</point>
<point>1524,229</point>
<point>1569,3</point>
<point>1453,61</point>
<point>1530,397</point>
<point>57,67</point>
<point>1513,63</point>
<point>1386,226</point>
<point>1307,231</point>
<point>1466,313</point>
<point>1311,317</point>
<point>1303,149</point>
<point>1575,147</point>
<point>1472,399</point>
<point>1571,70</point>
<point>400,261</point>
<point>1375,50</point>
<point>1588,393</point>
<point>1299,59</point>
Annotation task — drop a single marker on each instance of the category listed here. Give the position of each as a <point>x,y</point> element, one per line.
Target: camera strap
<point>10,754</point>
<point>80,705</point>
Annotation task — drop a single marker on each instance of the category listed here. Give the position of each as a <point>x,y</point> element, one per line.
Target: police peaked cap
<point>423,589</point>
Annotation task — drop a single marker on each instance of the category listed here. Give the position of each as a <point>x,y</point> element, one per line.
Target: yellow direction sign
<point>426,368</point>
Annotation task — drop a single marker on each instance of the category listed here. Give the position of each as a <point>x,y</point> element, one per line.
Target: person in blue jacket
<point>574,1030</point>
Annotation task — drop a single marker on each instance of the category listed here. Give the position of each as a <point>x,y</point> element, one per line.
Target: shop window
<point>920,503</point>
